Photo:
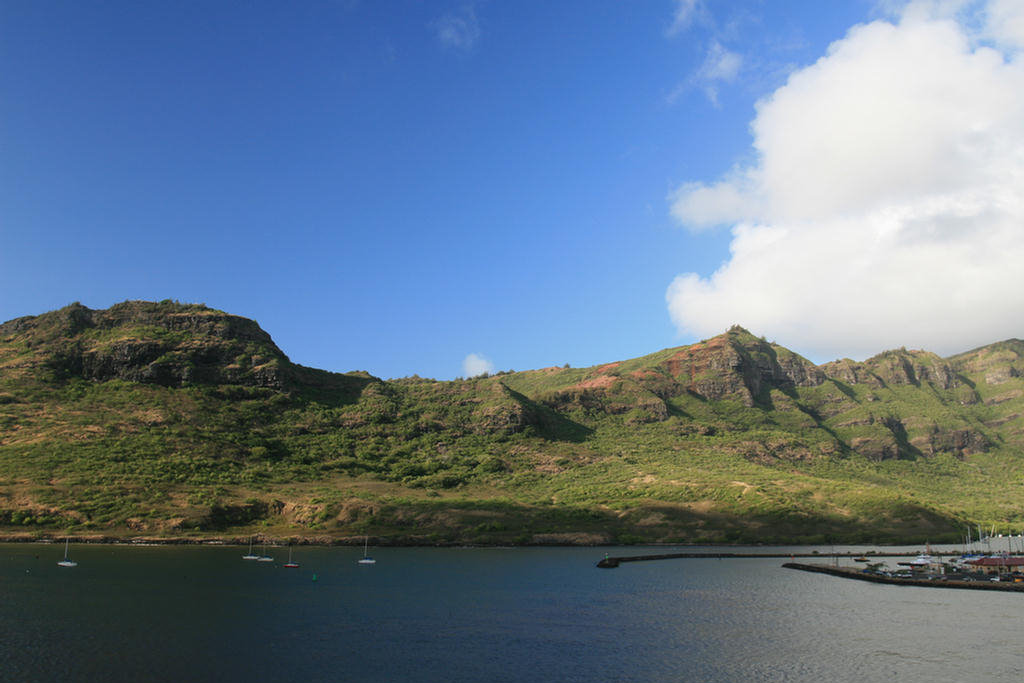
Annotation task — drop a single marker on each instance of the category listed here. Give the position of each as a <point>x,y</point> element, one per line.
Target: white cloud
<point>720,66</point>
<point>1005,22</point>
<point>702,206</point>
<point>459,30</point>
<point>885,207</point>
<point>686,12</point>
<point>474,365</point>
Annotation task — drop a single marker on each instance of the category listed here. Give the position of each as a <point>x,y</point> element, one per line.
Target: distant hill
<point>168,420</point>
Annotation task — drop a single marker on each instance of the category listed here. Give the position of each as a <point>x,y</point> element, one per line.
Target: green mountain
<point>174,420</point>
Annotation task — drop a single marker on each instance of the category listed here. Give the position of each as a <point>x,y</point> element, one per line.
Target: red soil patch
<point>687,361</point>
<point>602,382</point>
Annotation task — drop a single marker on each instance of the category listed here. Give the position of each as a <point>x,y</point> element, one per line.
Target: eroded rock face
<point>875,448</point>
<point>895,368</point>
<point>711,369</point>
<point>850,372</point>
<point>739,365</point>
<point>800,371</point>
<point>161,343</point>
<point>960,442</point>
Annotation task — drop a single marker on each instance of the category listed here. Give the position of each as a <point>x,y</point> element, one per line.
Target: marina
<point>963,569</point>
<point>936,581</point>
<point>609,562</point>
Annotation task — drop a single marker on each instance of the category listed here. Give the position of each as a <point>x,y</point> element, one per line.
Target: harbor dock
<point>612,562</point>
<point>934,582</point>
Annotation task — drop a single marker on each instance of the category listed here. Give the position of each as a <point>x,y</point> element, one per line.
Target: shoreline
<point>240,541</point>
<point>727,550</point>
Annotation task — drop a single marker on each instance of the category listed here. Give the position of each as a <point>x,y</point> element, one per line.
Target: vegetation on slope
<point>165,419</point>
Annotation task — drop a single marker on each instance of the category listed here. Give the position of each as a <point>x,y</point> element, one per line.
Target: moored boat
<point>250,555</point>
<point>366,559</point>
<point>67,561</point>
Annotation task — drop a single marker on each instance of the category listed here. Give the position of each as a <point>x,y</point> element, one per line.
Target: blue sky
<point>393,186</point>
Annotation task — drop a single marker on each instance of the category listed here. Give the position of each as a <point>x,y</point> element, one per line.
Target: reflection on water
<point>204,614</point>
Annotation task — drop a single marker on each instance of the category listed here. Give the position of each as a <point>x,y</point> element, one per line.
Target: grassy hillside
<point>163,419</point>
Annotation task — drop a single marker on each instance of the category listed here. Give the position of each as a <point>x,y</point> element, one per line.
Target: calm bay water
<point>534,614</point>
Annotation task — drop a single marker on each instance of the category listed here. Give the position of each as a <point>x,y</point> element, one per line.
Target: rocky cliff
<point>162,343</point>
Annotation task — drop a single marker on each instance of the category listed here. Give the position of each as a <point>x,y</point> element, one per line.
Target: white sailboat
<point>366,559</point>
<point>67,562</point>
<point>250,556</point>
<point>264,557</point>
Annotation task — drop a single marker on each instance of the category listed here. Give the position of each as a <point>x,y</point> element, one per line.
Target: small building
<point>998,564</point>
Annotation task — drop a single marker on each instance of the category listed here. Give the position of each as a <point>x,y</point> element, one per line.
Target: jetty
<point>925,582</point>
<point>612,562</point>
